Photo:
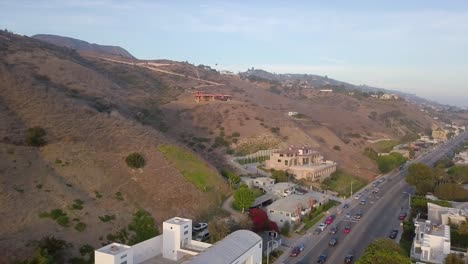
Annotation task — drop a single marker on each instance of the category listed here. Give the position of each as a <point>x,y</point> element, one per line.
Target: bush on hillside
<point>135,160</point>
<point>35,136</point>
<point>452,192</point>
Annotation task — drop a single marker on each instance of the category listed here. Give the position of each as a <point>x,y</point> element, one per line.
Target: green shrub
<point>80,226</point>
<point>78,205</point>
<point>107,218</point>
<point>135,160</point>
<point>452,192</point>
<point>235,134</point>
<point>35,136</point>
<point>63,220</point>
<point>119,196</point>
<point>336,147</point>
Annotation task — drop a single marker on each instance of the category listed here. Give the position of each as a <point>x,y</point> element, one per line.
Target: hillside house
<point>302,162</point>
<point>439,134</point>
<point>282,189</point>
<point>175,245</point>
<point>293,207</point>
<point>387,96</point>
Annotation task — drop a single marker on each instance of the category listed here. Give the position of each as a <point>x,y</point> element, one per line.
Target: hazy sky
<point>417,46</point>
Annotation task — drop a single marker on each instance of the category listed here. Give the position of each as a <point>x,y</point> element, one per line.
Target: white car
<point>322,226</point>
<point>358,196</point>
<point>199,226</point>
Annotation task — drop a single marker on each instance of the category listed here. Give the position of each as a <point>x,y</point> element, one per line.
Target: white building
<point>292,113</point>
<point>432,237</point>
<point>389,97</point>
<point>282,189</point>
<point>461,159</point>
<point>176,245</point>
<point>241,247</point>
<point>293,207</point>
<point>260,182</point>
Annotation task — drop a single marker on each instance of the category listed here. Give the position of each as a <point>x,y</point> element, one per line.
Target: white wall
<point>147,249</point>
<point>252,256</point>
<point>105,258</point>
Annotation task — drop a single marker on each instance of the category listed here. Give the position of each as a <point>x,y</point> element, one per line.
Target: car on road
<point>375,190</point>
<point>295,252</point>
<point>375,184</point>
<point>199,226</point>
<point>349,259</point>
<point>322,226</point>
<point>358,196</point>
<point>333,230</point>
<point>363,202</point>
<point>402,216</point>
<point>330,219</point>
<point>393,234</point>
<point>301,246</point>
<point>345,206</point>
<point>348,215</point>
<point>347,229</point>
<point>322,258</point>
<point>317,231</point>
<point>381,180</point>
<point>358,215</point>
<point>333,241</point>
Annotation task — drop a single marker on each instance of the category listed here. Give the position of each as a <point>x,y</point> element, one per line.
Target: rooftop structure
<point>202,96</point>
<point>432,237</point>
<point>175,245</point>
<point>461,159</point>
<point>241,246</point>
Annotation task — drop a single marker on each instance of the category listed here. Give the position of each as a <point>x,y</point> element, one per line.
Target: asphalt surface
<point>380,214</point>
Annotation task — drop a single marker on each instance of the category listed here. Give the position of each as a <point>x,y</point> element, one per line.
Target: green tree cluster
<point>279,176</point>
<point>383,251</point>
<point>243,198</point>
<point>390,162</point>
<point>422,177</point>
<point>453,259</point>
<point>143,225</point>
<point>135,160</point>
<point>49,250</point>
<point>35,136</point>
<point>452,192</point>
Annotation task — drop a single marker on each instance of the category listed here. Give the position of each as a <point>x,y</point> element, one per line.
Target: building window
<point>287,214</point>
<point>281,220</point>
<point>281,155</point>
<point>186,232</point>
<point>123,262</point>
<point>123,256</point>
<point>185,227</point>
<point>285,162</point>
<point>279,160</point>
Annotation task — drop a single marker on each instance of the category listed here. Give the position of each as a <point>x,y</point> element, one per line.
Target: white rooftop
<point>290,203</point>
<point>113,249</point>
<point>178,221</point>
<point>229,249</point>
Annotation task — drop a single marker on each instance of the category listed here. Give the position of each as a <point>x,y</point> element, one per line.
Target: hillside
<point>94,116</point>
<point>81,45</point>
<point>98,108</point>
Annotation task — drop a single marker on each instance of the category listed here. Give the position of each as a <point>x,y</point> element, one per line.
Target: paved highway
<point>380,215</point>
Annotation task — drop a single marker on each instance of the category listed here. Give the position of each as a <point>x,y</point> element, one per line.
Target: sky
<point>417,46</point>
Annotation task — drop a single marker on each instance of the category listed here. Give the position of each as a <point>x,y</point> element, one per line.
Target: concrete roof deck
<point>289,203</point>
<point>114,248</point>
<point>229,249</point>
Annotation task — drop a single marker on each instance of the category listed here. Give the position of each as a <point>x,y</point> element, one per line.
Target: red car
<point>347,229</point>
<point>295,252</point>
<point>330,220</point>
<point>402,216</point>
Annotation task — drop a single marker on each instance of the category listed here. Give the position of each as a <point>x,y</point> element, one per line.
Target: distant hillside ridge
<point>81,45</point>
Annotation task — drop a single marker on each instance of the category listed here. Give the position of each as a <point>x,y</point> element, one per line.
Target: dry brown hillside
<point>94,116</point>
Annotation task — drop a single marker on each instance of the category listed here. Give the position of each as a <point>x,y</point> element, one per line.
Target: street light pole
<point>351,189</point>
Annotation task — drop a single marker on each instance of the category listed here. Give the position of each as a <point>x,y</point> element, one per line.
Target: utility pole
<point>351,189</point>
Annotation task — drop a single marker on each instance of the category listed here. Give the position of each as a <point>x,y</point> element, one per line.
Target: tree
<point>144,227</point>
<point>383,251</point>
<point>463,229</point>
<point>286,228</point>
<point>135,160</point>
<point>243,198</point>
<point>35,136</point>
<point>233,178</point>
<point>261,222</point>
<point>218,230</point>
<point>458,174</point>
<point>279,176</point>
<point>422,177</point>
<point>390,162</point>
<point>453,259</point>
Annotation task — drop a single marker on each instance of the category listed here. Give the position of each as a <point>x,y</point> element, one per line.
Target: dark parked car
<point>393,234</point>
<point>322,258</point>
<point>317,231</point>
<point>295,252</point>
<point>333,241</point>
<point>349,259</point>
<point>333,230</point>
<point>358,215</point>
<point>345,206</point>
